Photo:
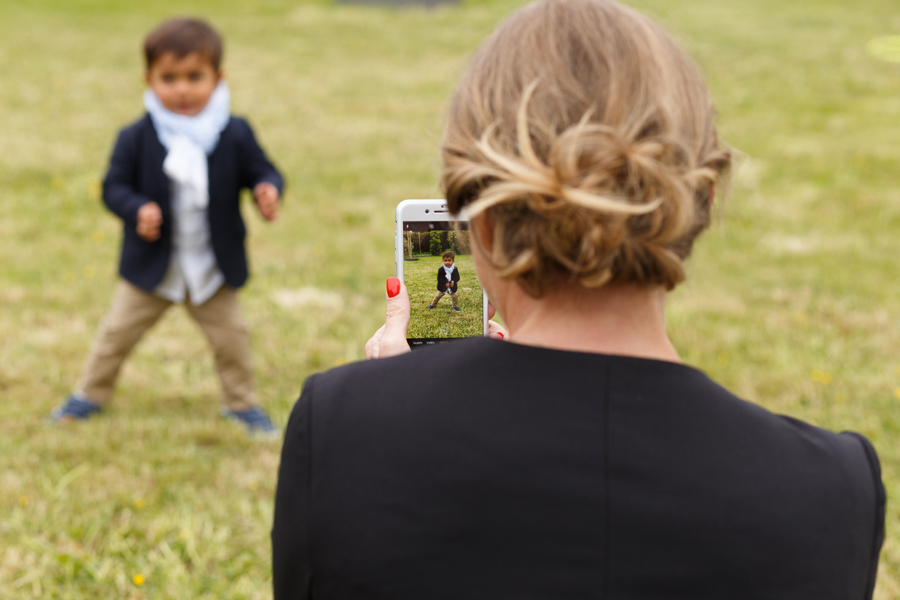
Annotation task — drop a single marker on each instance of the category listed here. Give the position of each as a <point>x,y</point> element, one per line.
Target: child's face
<point>448,262</point>
<point>183,85</point>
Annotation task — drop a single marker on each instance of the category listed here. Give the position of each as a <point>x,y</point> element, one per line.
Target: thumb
<point>397,315</point>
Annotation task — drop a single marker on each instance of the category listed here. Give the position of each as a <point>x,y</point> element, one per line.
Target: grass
<point>791,301</point>
<point>442,321</point>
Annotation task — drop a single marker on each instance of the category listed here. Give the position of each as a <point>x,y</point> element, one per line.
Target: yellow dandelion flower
<point>139,503</point>
<point>138,580</point>
<point>89,272</point>
<point>820,376</point>
<point>57,183</point>
<point>98,236</point>
<point>897,393</point>
<point>23,501</point>
<point>722,359</point>
<point>340,361</point>
<point>800,316</point>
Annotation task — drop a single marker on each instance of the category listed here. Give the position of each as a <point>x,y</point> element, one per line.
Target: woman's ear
<point>712,194</point>
<point>482,228</point>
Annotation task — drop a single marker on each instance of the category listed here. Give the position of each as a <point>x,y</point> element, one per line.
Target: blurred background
<point>792,300</point>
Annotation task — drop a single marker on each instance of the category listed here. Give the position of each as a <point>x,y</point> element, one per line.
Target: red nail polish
<point>501,335</point>
<point>393,287</point>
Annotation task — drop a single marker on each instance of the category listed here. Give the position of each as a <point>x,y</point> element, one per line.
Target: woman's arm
<point>880,497</point>
<point>291,571</point>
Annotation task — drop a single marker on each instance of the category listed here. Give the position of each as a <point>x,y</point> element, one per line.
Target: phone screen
<point>445,297</point>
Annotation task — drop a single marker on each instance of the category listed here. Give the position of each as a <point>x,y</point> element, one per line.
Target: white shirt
<point>193,269</point>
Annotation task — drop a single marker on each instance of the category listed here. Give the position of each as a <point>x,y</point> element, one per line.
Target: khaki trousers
<point>134,311</point>
<point>454,297</point>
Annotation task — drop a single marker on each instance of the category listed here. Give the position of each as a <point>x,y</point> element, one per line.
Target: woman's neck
<point>622,319</point>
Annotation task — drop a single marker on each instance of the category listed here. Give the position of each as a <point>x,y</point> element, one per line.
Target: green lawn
<point>442,321</point>
<point>792,300</point>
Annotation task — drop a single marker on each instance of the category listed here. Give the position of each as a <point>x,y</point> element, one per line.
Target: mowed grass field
<point>420,278</point>
<point>792,300</point>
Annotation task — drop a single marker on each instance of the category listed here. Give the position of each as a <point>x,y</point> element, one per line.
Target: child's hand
<point>149,219</point>
<point>267,197</point>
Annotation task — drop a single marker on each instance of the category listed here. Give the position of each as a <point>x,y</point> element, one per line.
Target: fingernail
<point>501,335</point>
<point>393,287</point>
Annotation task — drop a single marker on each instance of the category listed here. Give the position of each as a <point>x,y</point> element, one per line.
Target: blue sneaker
<point>256,421</point>
<point>75,408</point>
<point>456,308</point>
<point>430,306</point>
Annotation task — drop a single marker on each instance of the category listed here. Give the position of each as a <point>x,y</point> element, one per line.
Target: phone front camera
<point>427,211</point>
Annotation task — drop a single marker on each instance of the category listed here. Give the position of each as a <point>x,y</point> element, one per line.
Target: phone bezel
<point>429,210</point>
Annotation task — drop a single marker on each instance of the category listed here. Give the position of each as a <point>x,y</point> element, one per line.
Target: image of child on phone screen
<point>447,278</point>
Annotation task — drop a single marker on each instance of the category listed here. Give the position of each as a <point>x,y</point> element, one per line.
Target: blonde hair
<point>587,135</point>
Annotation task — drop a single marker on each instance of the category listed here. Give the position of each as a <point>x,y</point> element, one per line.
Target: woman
<point>582,459</point>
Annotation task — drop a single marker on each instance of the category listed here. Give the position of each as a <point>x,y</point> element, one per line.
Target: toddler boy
<point>447,278</point>
<point>175,179</point>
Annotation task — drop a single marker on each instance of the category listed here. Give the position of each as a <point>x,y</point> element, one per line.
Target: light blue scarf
<point>189,140</point>
<point>202,129</point>
<point>449,273</point>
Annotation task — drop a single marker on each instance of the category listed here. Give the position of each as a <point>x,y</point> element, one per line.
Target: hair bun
<point>617,193</point>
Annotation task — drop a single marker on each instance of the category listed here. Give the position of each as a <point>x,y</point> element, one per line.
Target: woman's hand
<point>495,330</point>
<point>390,339</point>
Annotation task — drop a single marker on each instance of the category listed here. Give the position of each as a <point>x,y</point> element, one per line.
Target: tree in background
<point>436,246</point>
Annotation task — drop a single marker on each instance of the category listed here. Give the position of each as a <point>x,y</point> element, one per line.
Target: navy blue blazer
<point>442,279</point>
<point>136,177</point>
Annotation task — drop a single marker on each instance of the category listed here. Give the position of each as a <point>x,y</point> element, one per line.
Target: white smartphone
<point>434,260</point>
